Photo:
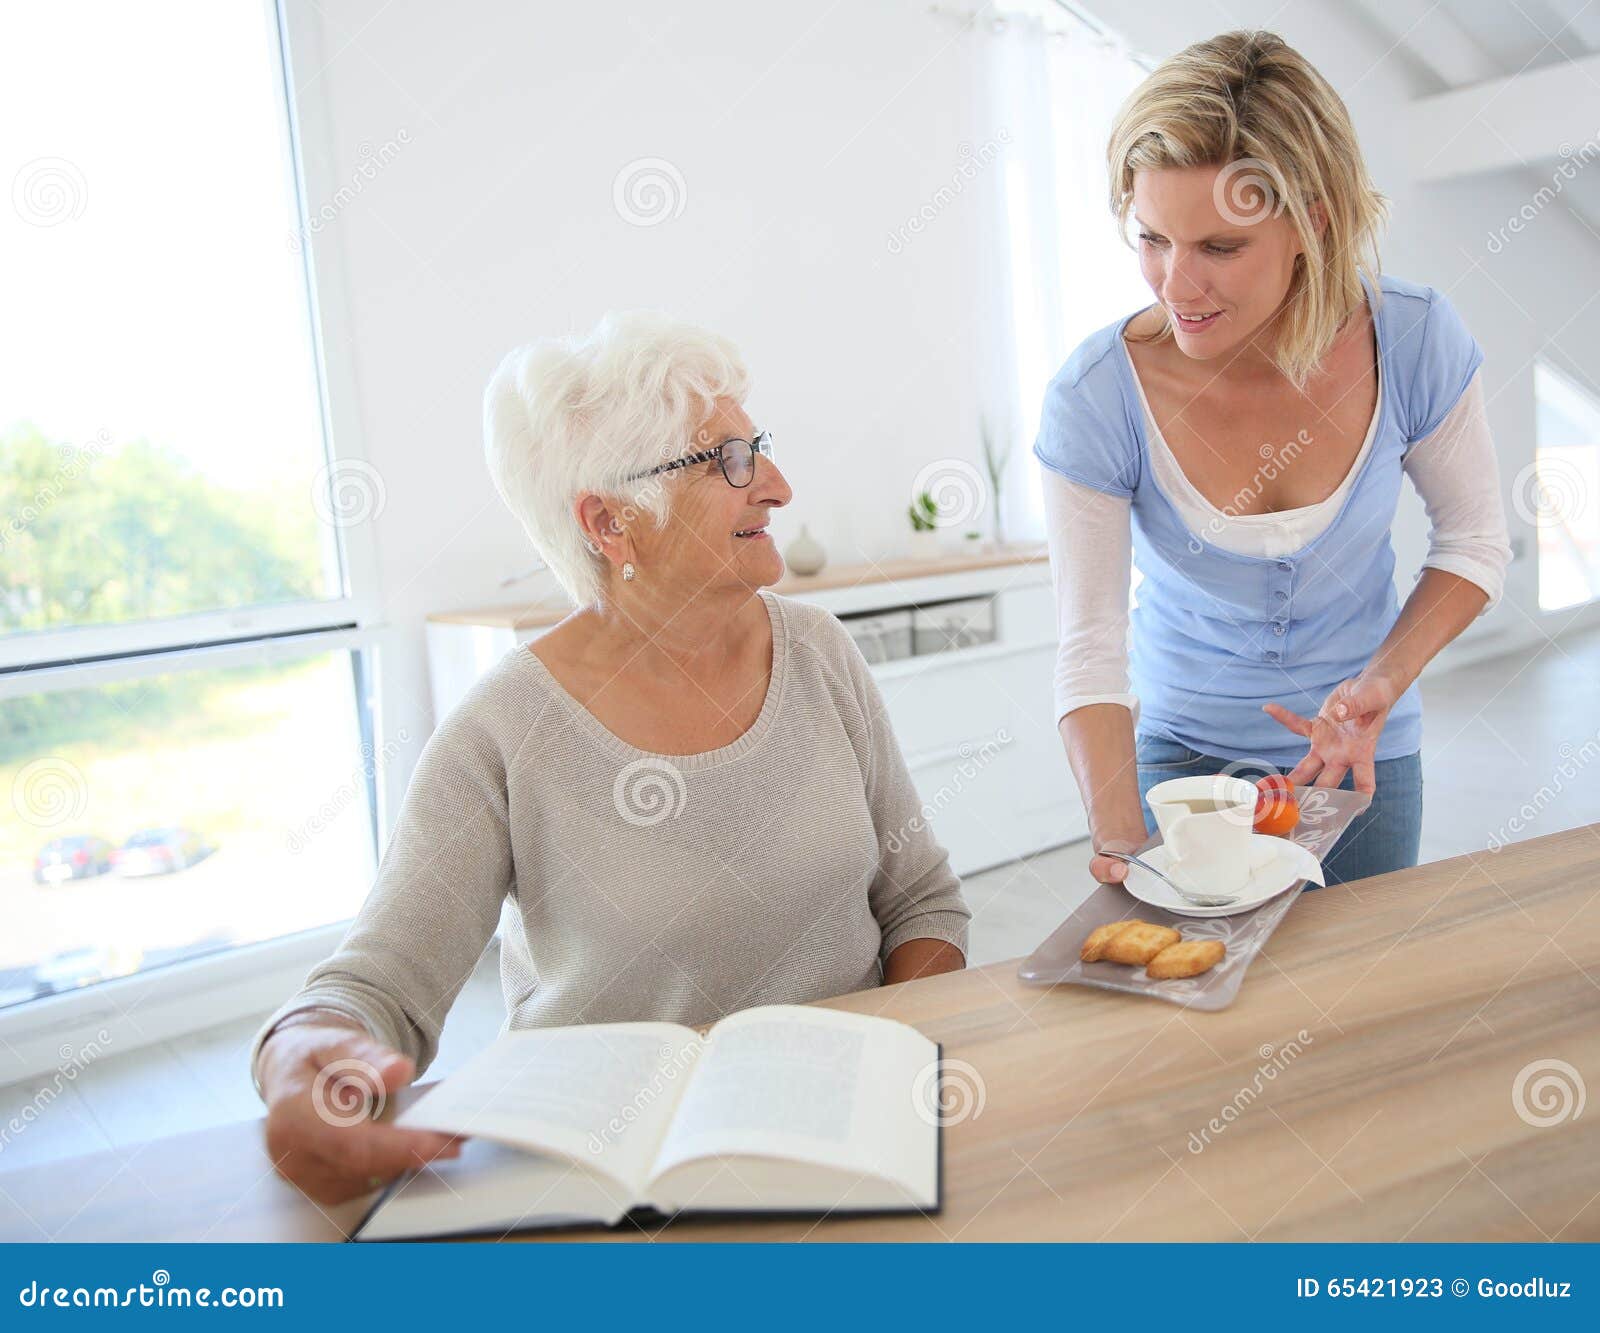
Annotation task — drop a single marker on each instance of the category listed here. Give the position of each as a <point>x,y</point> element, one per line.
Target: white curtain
<point>1060,270</point>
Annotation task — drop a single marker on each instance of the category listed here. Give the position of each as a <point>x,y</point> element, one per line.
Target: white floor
<point>1508,740</point>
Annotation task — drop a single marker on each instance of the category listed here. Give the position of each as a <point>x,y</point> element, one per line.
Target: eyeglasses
<point>736,457</point>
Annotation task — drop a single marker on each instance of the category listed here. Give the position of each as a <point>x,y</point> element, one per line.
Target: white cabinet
<point>977,725</point>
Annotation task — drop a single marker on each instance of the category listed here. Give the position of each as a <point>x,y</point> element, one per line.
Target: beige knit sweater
<point>781,868</point>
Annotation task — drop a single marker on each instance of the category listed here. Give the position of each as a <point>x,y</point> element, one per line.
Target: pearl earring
<point>627,571</point>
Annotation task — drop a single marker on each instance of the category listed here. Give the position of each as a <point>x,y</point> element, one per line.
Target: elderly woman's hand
<point>322,1081</point>
<point>1344,734</point>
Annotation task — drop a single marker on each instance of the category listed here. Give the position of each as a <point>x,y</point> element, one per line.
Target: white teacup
<point>1205,824</point>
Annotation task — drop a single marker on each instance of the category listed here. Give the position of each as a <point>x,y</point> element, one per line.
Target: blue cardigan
<point>1216,634</point>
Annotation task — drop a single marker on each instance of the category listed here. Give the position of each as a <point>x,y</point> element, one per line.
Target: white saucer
<point>1282,864</point>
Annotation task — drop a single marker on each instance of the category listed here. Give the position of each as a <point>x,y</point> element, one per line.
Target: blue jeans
<point>1383,837</point>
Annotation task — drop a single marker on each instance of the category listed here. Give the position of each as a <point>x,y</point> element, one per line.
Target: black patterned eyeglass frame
<point>762,444</point>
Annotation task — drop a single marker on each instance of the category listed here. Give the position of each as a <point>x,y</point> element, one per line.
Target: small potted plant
<point>923,512</point>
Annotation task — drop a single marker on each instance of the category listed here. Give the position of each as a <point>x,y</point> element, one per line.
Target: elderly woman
<point>686,795</point>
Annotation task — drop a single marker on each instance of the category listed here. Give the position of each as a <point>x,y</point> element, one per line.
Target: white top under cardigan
<point>1091,539</point>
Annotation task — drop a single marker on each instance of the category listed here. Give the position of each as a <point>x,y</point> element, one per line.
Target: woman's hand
<point>1344,733</point>
<point>323,1080</point>
<point>1107,870</point>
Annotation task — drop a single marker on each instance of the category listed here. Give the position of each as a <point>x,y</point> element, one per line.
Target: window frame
<point>183,997</point>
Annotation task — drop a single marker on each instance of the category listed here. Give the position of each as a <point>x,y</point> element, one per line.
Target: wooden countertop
<point>524,616</point>
<point>1423,996</point>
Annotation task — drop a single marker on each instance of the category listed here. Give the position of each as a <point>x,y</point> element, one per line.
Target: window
<point>1563,499</point>
<point>186,741</point>
<point>1056,86</point>
<point>167,816</point>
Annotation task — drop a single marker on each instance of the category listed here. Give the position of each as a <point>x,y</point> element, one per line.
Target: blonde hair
<point>587,412</point>
<point>1251,104</point>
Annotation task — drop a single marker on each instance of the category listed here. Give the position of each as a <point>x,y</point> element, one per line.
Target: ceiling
<point>1458,43</point>
<point>1461,42</point>
<point>1527,34</point>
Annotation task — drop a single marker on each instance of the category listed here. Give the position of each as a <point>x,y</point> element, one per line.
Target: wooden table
<point>1422,997</point>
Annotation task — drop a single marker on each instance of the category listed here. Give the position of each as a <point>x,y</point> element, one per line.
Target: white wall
<point>803,139</point>
<point>804,136</point>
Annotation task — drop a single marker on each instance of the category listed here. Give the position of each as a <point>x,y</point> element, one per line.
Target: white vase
<point>925,544</point>
<point>804,555</point>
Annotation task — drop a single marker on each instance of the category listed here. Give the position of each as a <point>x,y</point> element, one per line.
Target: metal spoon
<point>1188,895</point>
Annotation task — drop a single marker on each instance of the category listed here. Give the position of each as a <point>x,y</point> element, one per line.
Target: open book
<point>781,1108</point>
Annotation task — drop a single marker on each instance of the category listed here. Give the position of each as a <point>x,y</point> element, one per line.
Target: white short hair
<point>564,416</point>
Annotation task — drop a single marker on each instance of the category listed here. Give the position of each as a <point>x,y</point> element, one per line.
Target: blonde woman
<point>1244,439</point>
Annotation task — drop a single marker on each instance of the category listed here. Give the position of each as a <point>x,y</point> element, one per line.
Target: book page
<point>496,1189</point>
<point>600,1095</point>
<point>814,1085</point>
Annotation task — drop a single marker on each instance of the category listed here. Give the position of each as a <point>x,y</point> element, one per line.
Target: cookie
<point>1187,959</point>
<point>1095,946</point>
<point>1139,943</point>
